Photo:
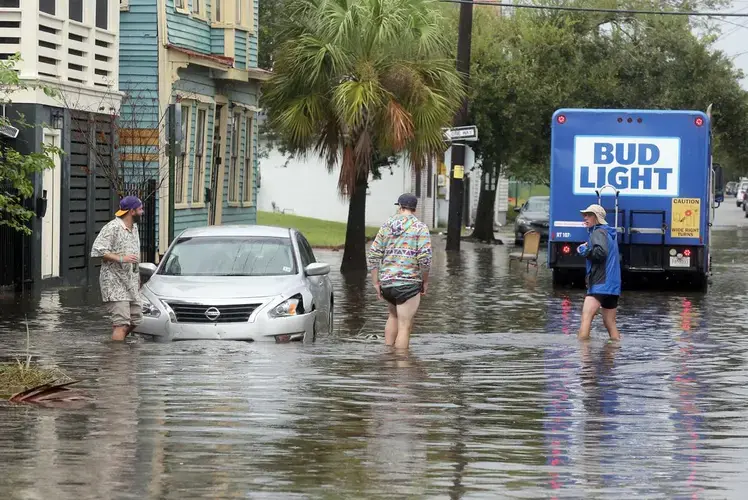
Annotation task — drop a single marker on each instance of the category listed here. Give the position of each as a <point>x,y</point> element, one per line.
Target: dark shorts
<point>397,295</point>
<point>606,301</point>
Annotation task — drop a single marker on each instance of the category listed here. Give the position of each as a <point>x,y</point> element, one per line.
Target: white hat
<point>598,211</point>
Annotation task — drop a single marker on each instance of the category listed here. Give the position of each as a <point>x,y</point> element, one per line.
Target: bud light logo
<point>636,166</point>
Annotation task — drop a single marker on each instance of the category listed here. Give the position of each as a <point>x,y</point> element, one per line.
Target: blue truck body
<point>654,169</point>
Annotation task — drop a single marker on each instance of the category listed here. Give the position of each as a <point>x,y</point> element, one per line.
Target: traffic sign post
<point>455,134</point>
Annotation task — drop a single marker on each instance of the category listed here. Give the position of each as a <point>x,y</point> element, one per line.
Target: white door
<point>51,220</point>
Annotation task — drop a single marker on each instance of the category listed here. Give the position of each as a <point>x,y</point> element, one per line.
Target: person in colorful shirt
<point>118,246</point>
<point>399,261</point>
<point>603,272</point>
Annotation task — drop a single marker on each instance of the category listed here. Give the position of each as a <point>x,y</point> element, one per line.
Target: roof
<point>222,231</point>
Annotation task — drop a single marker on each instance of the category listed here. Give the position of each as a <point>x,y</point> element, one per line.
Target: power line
<point>596,9</point>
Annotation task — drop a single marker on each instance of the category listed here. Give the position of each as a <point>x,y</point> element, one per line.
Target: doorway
<point>51,182</point>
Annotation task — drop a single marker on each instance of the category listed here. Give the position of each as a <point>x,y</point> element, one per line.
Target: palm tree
<point>357,81</point>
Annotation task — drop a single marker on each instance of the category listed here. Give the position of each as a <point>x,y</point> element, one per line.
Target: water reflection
<point>496,398</point>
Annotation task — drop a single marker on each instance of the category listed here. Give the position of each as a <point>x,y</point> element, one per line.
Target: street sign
<point>8,131</point>
<point>469,133</point>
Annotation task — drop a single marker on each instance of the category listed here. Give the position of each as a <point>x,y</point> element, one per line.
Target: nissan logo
<point>212,313</point>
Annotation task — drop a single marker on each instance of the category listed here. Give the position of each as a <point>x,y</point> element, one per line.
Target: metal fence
<point>146,191</point>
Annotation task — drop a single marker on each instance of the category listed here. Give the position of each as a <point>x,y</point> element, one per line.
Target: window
<point>538,205</point>
<point>239,11</point>
<point>197,7</point>
<point>181,4</point>
<point>230,256</point>
<point>75,10</point>
<point>218,10</point>
<point>248,160</point>
<point>10,4</point>
<point>198,171</point>
<point>48,6</point>
<point>233,166</point>
<point>183,166</point>
<point>305,251</point>
<point>102,14</point>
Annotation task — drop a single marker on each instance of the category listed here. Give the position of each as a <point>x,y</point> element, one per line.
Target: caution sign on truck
<point>686,215</point>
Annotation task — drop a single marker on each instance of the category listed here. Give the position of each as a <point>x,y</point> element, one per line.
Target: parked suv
<point>533,215</point>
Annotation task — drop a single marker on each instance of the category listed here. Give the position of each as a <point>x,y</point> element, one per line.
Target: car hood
<point>221,287</point>
<point>536,216</point>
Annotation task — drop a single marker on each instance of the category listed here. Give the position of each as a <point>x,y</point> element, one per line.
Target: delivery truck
<point>652,171</point>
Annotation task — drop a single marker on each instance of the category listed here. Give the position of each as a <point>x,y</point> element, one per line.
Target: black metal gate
<point>146,191</point>
<point>13,268</point>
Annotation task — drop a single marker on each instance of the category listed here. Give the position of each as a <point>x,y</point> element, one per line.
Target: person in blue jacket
<point>603,272</point>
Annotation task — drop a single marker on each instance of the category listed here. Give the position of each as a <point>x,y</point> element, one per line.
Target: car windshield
<point>230,256</point>
<point>537,205</point>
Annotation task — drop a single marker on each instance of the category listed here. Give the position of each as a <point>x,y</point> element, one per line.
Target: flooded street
<point>496,398</point>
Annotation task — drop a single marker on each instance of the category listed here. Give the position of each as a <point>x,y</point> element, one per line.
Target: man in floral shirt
<point>399,261</point>
<point>118,246</point>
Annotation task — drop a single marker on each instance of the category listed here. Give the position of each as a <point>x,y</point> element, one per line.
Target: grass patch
<point>22,374</point>
<point>18,376</point>
<point>320,233</point>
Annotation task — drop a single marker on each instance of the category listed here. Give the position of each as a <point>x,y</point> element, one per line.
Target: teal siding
<point>188,32</point>
<point>240,49</point>
<point>217,40</point>
<point>138,66</point>
<point>253,38</point>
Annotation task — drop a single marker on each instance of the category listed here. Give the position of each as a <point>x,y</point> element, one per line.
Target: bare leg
<point>390,329</point>
<point>120,332</point>
<point>405,314</point>
<point>609,320</point>
<point>589,309</point>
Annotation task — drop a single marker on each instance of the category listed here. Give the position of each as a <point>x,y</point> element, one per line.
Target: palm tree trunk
<point>354,254</point>
<point>484,216</point>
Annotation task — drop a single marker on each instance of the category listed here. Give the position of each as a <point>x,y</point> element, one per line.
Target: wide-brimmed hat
<point>597,211</point>
<point>128,203</point>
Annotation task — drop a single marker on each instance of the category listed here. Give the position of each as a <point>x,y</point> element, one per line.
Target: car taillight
<point>566,249</point>
<point>686,252</point>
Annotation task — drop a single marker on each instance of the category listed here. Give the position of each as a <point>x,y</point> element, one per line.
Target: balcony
<point>61,49</point>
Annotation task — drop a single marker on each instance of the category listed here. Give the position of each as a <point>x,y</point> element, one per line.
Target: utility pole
<point>457,171</point>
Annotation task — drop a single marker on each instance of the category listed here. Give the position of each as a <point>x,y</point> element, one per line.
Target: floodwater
<point>496,399</point>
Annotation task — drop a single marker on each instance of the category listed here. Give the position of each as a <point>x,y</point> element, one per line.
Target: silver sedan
<point>252,283</point>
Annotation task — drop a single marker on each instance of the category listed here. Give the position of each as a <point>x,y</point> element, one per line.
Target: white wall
<point>305,187</point>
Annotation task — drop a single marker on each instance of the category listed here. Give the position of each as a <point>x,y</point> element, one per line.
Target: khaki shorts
<point>124,313</point>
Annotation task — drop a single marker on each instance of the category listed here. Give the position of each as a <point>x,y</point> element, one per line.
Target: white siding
<point>78,58</point>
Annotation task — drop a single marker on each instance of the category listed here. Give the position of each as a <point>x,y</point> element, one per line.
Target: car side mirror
<point>517,209</point>
<point>719,183</point>
<point>146,270</point>
<point>317,269</point>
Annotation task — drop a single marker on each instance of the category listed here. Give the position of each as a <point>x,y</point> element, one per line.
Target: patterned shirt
<point>401,251</point>
<point>119,282</point>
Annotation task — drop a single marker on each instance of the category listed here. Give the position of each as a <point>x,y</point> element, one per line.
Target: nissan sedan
<point>252,283</point>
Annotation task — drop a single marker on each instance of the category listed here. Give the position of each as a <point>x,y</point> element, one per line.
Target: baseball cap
<point>598,212</point>
<point>128,203</point>
<point>408,201</point>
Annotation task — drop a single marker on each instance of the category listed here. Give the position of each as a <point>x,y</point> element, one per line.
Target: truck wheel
<point>700,283</point>
<point>561,278</point>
